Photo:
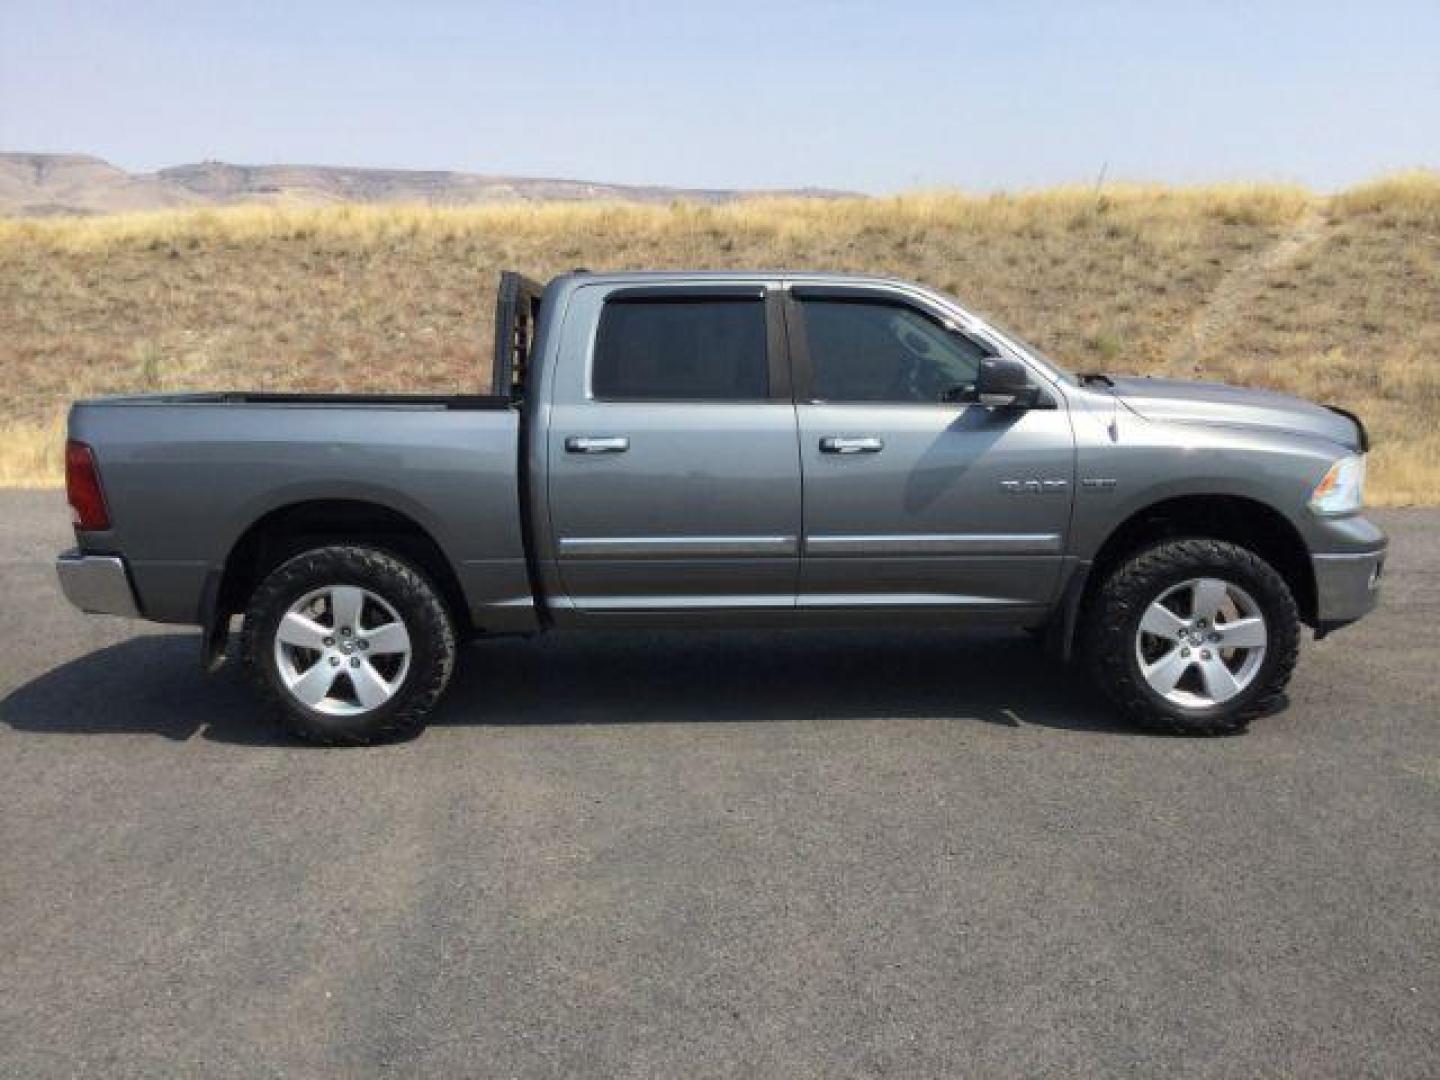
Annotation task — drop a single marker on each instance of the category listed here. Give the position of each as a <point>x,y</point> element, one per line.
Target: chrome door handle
<point>838,444</point>
<point>597,444</point>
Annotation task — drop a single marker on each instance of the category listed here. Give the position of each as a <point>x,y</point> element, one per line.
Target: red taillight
<point>82,487</point>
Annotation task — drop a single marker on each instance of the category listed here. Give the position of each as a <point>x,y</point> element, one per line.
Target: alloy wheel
<point>342,650</point>
<point>1201,643</point>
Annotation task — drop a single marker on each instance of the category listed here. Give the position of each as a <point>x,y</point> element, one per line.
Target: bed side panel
<point>184,481</point>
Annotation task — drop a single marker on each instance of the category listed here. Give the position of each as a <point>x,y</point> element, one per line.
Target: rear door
<point>674,473</point>
<point>912,500</point>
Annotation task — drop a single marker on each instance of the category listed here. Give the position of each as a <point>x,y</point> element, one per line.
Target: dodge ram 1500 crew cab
<point>701,449</point>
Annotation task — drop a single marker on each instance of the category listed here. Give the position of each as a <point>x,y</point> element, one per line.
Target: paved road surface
<point>773,854</point>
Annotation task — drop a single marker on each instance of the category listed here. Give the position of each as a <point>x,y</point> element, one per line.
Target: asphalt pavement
<point>789,854</point>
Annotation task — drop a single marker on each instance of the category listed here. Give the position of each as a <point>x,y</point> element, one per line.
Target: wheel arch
<point>1238,519</point>
<point>287,530</point>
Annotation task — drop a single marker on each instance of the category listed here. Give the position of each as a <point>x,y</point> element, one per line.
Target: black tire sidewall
<point>404,587</point>
<point>1142,580</point>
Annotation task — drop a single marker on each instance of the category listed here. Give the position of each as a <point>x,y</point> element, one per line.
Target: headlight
<point>1342,488</point>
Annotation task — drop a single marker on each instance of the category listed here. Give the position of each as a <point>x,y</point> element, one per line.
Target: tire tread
<point>1134,584</point>
<point>405,584</point>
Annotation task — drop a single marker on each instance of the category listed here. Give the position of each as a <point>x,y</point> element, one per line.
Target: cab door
<point>674,472</point>
<point>914,496</point>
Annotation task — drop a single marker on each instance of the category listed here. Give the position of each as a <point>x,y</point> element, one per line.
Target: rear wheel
<point>349,645</point>
<point>1194,636</point>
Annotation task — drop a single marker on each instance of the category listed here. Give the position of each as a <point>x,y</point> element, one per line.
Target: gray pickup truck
<point>718,449</point>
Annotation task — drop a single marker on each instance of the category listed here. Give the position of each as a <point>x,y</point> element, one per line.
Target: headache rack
<point>517,307</point>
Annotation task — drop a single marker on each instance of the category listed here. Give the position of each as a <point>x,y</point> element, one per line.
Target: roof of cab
<point>656,276</point>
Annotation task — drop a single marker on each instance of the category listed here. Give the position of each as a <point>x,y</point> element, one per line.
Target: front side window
<point>863,350</point>
<point>681,350</point>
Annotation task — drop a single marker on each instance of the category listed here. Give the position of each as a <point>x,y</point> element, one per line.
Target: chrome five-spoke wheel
<point>1201,643</point>
<point>342,650</point>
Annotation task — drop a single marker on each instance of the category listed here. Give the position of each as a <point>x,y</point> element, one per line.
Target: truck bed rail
<point>320,400</point>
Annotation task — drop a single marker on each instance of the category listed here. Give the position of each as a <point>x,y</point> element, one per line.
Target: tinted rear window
<point>681,350</point>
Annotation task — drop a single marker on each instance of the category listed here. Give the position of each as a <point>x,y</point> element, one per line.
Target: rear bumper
<point>99,584</point>
<point>1347,586</point>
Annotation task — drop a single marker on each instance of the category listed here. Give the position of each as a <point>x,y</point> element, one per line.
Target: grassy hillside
<point>1334,298</point>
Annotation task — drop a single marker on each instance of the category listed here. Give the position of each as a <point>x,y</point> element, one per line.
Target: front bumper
<point>98,584</point>
<point>1347,586</point>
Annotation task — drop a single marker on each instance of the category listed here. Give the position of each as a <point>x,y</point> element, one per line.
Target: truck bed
<point>187,474</point>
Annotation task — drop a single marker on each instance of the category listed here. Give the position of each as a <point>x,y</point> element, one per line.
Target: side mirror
<point>1005,383</point>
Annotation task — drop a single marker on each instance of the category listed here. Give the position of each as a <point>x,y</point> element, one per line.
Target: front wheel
<point>1193,636</point>
<point>349,645</point>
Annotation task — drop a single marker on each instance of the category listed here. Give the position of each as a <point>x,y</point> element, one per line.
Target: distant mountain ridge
<point>39,185</point>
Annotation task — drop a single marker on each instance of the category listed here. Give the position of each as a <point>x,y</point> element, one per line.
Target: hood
<point>1236,406</point>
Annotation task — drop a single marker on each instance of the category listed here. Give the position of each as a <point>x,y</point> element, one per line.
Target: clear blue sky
<point>854,94</point>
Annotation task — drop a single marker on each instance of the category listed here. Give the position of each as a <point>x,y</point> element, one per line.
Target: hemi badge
<point>1098,484</point>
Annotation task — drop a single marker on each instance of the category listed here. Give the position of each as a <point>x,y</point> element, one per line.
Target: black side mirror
<point>1005,383</point>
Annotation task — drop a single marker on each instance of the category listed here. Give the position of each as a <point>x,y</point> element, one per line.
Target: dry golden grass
<point>1354,319</point>
<point>34,452</point>
<point>399,298</point>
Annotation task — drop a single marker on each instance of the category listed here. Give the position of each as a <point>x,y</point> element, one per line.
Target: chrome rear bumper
<point>98,584</point>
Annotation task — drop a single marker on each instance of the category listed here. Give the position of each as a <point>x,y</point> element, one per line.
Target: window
<point>877,351</point>
<point>681,350</point>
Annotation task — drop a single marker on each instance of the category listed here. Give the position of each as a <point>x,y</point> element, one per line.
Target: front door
<point>913,497</point>
<point>673,463</point>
